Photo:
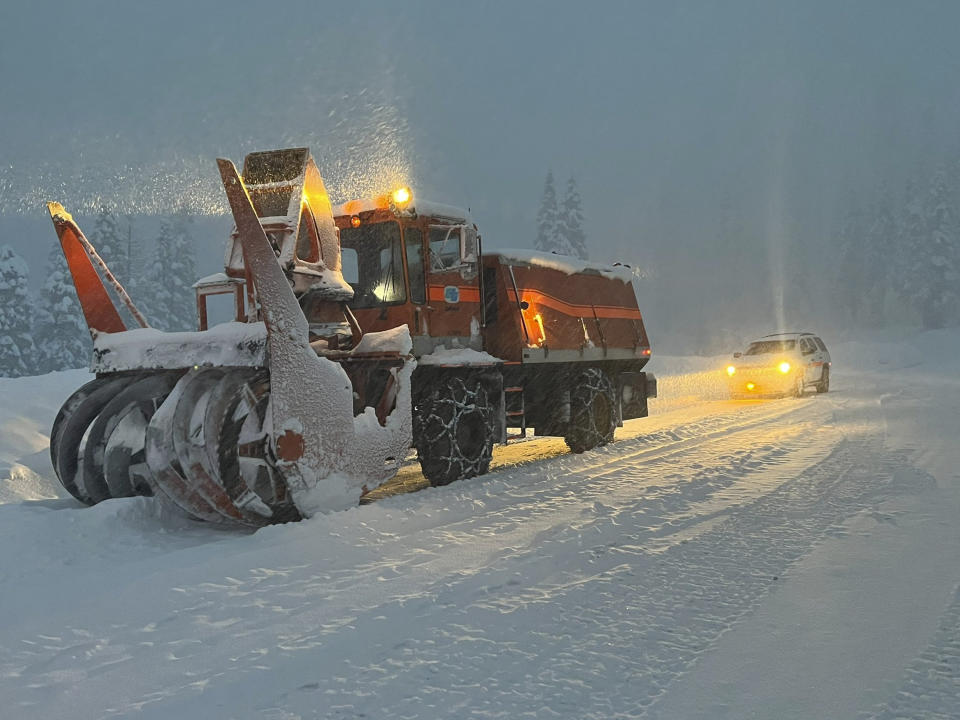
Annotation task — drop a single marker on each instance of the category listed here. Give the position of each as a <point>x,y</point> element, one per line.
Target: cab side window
<point>807,347</point>
<point>820,344</point>
<point>413,241</point>
<point>444,247</point>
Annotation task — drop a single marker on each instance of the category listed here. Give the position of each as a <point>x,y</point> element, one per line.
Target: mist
<point>717,146</point>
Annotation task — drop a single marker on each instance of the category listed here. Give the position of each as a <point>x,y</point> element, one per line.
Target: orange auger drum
<point>359,331</point>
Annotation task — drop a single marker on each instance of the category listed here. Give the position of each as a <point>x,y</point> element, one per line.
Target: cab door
<point>453,286</point>
<point>415,253</point>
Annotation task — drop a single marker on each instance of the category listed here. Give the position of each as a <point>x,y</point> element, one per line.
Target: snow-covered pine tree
<point>877,259</point>
<point>167,292</point>
<point>850,280</point>
<point>911,231</point>
<point>573,240</point>
<point>933,269</point>
<point>62,337</point>
<point>18,355</point>
<point>111,241</point>
<point>547,219</point>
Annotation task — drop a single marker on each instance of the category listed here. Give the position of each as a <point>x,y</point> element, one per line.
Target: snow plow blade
<point>248,423</point>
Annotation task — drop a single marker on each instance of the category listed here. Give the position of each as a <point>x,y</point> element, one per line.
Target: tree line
<point>44,330</point>
<point>899,253</point>
<point>560,224</point>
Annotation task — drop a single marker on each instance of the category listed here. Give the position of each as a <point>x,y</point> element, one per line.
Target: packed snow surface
<point>761,559</point>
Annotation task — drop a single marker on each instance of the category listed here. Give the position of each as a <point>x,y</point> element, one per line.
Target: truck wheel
<point>824,384</point>
<point>453,430</point>
<point>593,411</point>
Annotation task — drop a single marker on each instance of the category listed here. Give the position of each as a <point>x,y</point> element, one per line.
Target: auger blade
<point>238,414</point>
<point>127,401</point>
<point>78,413</point>
<point>119,434</point>
<point>165,466</point>
<point>191,406</point>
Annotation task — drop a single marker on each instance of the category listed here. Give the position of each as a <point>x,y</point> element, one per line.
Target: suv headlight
<point>784,367</point>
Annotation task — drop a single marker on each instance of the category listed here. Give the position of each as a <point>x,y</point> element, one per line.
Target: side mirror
<point>738,354</point>
<point>468,244</point>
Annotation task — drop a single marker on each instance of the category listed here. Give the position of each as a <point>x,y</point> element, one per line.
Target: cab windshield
<point>768,347</point>
<point>372,263</point>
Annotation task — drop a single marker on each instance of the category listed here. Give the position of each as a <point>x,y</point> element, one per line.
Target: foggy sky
<point>674,117</point>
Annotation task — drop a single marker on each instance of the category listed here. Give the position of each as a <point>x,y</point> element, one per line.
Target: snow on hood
<point>232,344</point>
<point>393,340</point>
<point>458,356</point>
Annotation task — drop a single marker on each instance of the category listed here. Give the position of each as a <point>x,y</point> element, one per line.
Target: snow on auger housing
<point>312,396</point>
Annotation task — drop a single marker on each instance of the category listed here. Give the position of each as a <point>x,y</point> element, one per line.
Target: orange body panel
<point>585,312</point>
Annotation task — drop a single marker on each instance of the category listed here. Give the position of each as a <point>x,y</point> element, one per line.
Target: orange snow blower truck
<point>386,311</point>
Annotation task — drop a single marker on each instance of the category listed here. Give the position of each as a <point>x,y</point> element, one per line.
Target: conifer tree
<point>573,240</point>
<point>62,337</point>
<point>849,266</point>
<point>18,355</point>
<point>547,218</point>
<point>932,271</point>
<point>111,242</point>
<point>168,294</point>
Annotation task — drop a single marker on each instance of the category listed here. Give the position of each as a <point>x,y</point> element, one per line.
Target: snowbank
<point>28,407</point>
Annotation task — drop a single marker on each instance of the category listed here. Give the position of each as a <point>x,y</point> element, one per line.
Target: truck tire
<point>824,384</point>
<point>454,430</point>
<point>593,411</point>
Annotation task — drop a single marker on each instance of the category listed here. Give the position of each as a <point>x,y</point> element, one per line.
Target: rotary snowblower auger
<point>263,420</point>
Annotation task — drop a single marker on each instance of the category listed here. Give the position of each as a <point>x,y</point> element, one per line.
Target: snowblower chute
<point>286,412</point>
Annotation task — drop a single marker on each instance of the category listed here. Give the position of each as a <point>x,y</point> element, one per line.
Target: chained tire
<point>593,411</point>
<point>454,429</point>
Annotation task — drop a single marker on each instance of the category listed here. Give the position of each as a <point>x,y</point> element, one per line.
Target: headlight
<point>784,367</point>
<point>731,369</point>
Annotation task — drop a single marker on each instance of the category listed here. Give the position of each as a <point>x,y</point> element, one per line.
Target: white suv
<point>780,364</point>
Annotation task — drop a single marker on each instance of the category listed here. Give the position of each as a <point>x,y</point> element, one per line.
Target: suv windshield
<point>372,263</point>
<point>766,347</point>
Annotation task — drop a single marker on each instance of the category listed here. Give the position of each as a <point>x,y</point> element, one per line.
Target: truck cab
<point>414,265</point>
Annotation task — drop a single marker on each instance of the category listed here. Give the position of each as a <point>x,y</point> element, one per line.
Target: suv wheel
<point>824,384</point>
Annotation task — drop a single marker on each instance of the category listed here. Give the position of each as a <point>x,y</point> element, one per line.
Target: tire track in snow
<point>558,594</point>
<point>610,641</point>
<point>931,685</point>
<point>603,641</point>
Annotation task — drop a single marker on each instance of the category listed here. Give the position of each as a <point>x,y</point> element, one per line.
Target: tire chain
<point>435,425</point>
<point>583,433</point>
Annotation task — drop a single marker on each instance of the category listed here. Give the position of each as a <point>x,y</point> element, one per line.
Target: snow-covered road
<point>788,558</point>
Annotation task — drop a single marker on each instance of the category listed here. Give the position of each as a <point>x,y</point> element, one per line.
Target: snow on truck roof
<point>563,263</point>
